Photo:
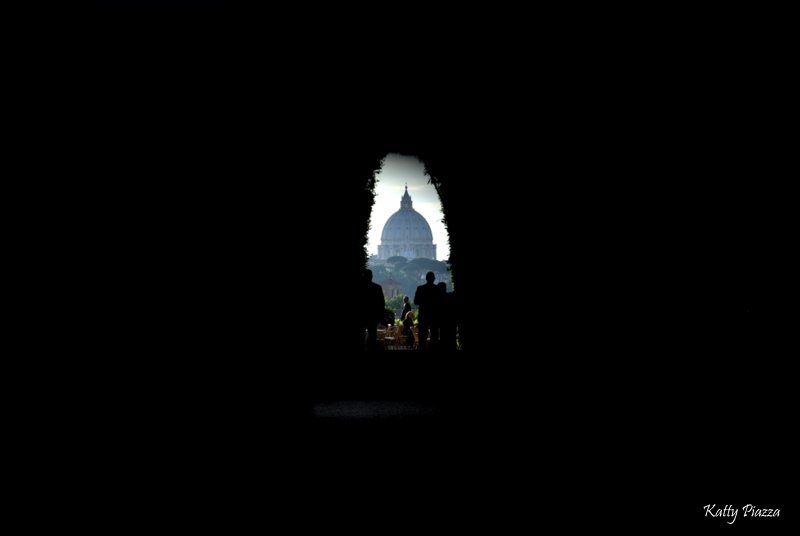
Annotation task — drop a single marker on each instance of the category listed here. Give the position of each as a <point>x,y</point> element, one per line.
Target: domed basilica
<point>407,234</point>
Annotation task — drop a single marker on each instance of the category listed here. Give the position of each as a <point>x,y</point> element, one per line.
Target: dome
<point>406,233</point>
<point>406,225</point>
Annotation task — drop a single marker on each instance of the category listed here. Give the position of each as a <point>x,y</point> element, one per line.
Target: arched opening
<point>343,206</point>
<point>408,252</point>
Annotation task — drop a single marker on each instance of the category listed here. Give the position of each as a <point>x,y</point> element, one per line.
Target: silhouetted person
<point>427,298</point>
<point>372,308</point>
<point>447,320</point>
<point>406,308</point>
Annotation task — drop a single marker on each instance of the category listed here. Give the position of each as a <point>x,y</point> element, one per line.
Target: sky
<point>397,170</point>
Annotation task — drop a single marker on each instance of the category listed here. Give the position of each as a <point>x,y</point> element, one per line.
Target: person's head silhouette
<point>368,276</point>
<point>429,277</point>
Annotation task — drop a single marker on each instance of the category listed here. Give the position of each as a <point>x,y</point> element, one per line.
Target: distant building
<point>406,234</point>
<point>391,287</point>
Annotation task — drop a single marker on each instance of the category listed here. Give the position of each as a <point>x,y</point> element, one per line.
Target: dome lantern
<point>405,202</point>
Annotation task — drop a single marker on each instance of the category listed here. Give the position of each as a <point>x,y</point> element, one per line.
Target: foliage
<point>397,261</point>
<point>379,273</point>
<point>395,302</point>
<point>417,268</point>
<point>388,317</point>
<point>410,274</point>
